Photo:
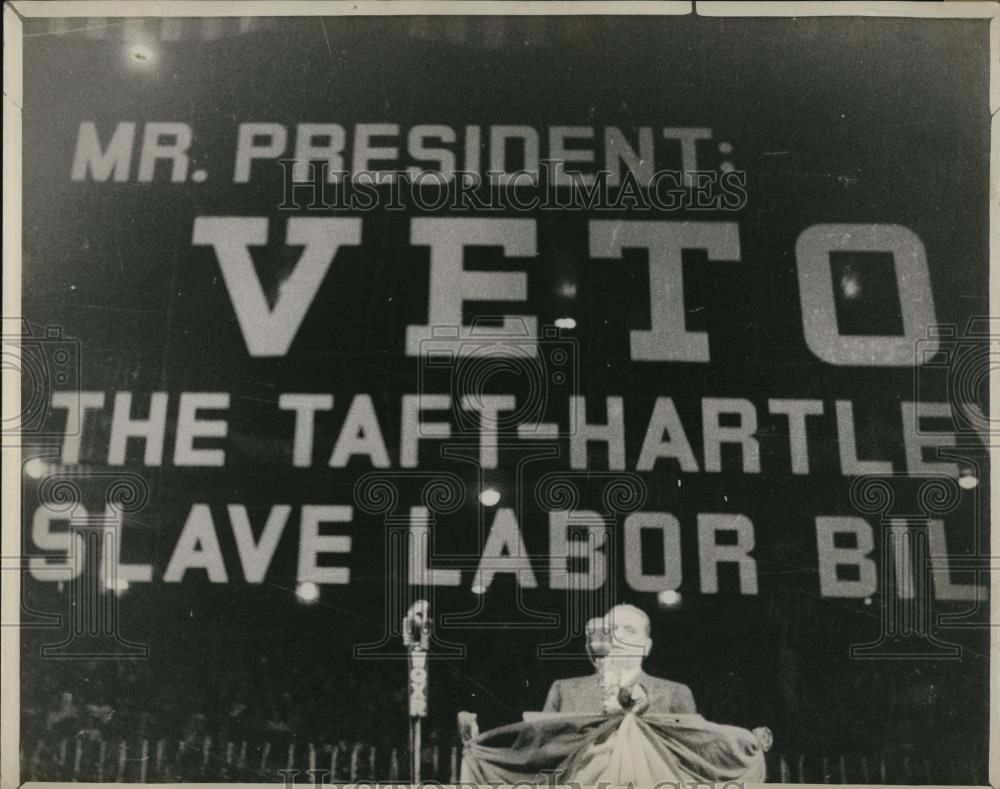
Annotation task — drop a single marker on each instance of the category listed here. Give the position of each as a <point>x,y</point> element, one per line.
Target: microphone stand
<point>416,639</point>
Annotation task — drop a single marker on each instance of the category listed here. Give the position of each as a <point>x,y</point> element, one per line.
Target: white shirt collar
<point>629,675</point>
<point>625,677</point>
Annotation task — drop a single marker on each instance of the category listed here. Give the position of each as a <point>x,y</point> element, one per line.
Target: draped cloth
<point>621,749</point>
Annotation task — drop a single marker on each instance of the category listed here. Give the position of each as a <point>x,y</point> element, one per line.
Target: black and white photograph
<point>499,393</point>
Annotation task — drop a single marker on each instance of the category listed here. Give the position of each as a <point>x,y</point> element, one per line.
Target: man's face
<point>598,639</point>
<point>628,633</point>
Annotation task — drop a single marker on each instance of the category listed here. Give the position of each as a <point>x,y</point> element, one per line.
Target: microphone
<point>419,608</point>
<point>633,698</point>
<point>610,684</point>
<point>416,639</point>
<point>417,625</point>
<point>418,612</point>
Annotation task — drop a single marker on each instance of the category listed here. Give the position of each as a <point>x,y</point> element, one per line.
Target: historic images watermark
<point>550,188</point>
<point>920,570</point>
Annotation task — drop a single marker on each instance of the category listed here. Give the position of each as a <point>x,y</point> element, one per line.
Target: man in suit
<point>619,682</point>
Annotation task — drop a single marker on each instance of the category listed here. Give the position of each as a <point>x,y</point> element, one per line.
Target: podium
<point>548,748</point>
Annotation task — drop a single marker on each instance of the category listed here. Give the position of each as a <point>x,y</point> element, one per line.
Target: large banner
<point>525,317</point>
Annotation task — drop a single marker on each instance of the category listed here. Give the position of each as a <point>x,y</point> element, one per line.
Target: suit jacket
<point>583,694</point>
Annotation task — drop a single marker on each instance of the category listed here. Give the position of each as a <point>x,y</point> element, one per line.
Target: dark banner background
<point>834,120</point>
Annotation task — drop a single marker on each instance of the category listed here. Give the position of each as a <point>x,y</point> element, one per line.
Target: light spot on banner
<point>565,323</point>
<point>140,56</point>
<point>567,289</point>
<point>850,286</point>
<point>307,592</point>
<point>490,497</point>
<point>669,598</point>
<point>36,468</point>
<point>868,601</point>
<point>967,482</point>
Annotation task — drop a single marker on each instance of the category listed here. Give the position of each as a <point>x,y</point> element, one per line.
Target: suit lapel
<point>653,691</point>
<point>595,699</point>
